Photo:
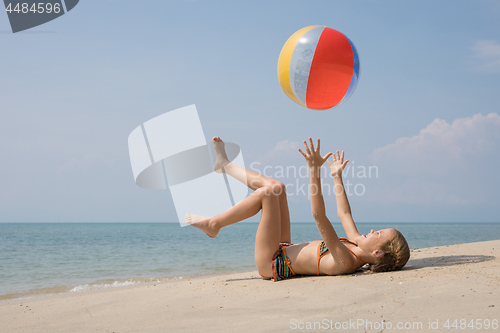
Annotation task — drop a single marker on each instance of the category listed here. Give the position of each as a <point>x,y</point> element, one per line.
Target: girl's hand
<point>313,156</point>
<point>338,164</point>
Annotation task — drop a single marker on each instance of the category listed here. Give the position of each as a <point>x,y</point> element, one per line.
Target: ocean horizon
<point>49,258</point>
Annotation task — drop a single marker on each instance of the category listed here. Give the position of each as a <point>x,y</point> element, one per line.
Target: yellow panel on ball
<point>284,62</point>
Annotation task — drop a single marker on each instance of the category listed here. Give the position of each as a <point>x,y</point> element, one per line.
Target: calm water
<point>42,258</point>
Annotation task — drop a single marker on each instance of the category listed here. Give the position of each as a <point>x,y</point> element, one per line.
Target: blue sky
<point>425,112</point>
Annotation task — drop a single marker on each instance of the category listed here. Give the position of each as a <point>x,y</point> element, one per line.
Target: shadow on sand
<point>442,261</point>
<point>414,264</point>
<point>245,279</point>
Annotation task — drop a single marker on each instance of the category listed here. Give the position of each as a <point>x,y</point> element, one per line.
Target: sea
<point>50,258</point>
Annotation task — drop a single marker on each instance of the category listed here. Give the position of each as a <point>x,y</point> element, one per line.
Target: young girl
<point>276,258</point>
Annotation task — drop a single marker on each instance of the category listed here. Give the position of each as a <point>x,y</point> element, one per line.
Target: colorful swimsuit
<point>322,250</point>
<point>282,268</point>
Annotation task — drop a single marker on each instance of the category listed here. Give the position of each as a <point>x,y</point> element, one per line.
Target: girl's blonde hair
<point>396,254</point>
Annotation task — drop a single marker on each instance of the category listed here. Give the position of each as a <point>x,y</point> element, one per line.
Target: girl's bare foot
<point>220,152</point>
<point>203,223</point>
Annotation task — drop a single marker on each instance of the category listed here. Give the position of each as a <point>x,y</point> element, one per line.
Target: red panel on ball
<point>331,70</point>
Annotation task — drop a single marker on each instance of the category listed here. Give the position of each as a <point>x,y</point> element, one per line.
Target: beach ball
<point>318,67</point>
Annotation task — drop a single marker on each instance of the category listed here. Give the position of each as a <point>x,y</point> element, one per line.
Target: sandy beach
<point>452,287</point>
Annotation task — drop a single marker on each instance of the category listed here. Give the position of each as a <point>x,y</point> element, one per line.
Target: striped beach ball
<point>318,67</point>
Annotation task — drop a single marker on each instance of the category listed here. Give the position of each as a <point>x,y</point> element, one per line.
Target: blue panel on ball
<point>355,75</point>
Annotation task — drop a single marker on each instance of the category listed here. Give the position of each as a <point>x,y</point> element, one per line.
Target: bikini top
<point>354,243</point>
<point>322,250</point>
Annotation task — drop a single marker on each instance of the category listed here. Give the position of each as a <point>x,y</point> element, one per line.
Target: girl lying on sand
<point>276,258</point>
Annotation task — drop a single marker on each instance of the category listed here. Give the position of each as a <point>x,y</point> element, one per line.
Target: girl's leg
<point>254,181</point>
<point>251,179</point>
<point>268,234</point>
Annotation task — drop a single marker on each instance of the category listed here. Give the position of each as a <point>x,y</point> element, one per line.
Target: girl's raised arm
<point>343,207</point>
<point>341,255</point>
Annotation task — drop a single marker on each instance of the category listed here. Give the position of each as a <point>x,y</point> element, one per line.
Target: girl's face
<point>374,240</point>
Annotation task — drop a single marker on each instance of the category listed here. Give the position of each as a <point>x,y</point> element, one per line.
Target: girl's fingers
<point>300,151</point>
<point>338,156</point>
<point>307,148</point>
<point>326,156</point>
<point>317,146</point>
<point>342,156</point>
<point>311,143</point>
<point>344,164</point>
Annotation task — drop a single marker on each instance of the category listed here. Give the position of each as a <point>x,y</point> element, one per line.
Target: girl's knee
<point>267,191</point>
<point>278,187</point>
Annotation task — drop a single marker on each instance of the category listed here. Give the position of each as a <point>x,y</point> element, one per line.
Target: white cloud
<point>444,163</point>
<point>283,153</point>
<point>285,147</point>
<point>486,56</point>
